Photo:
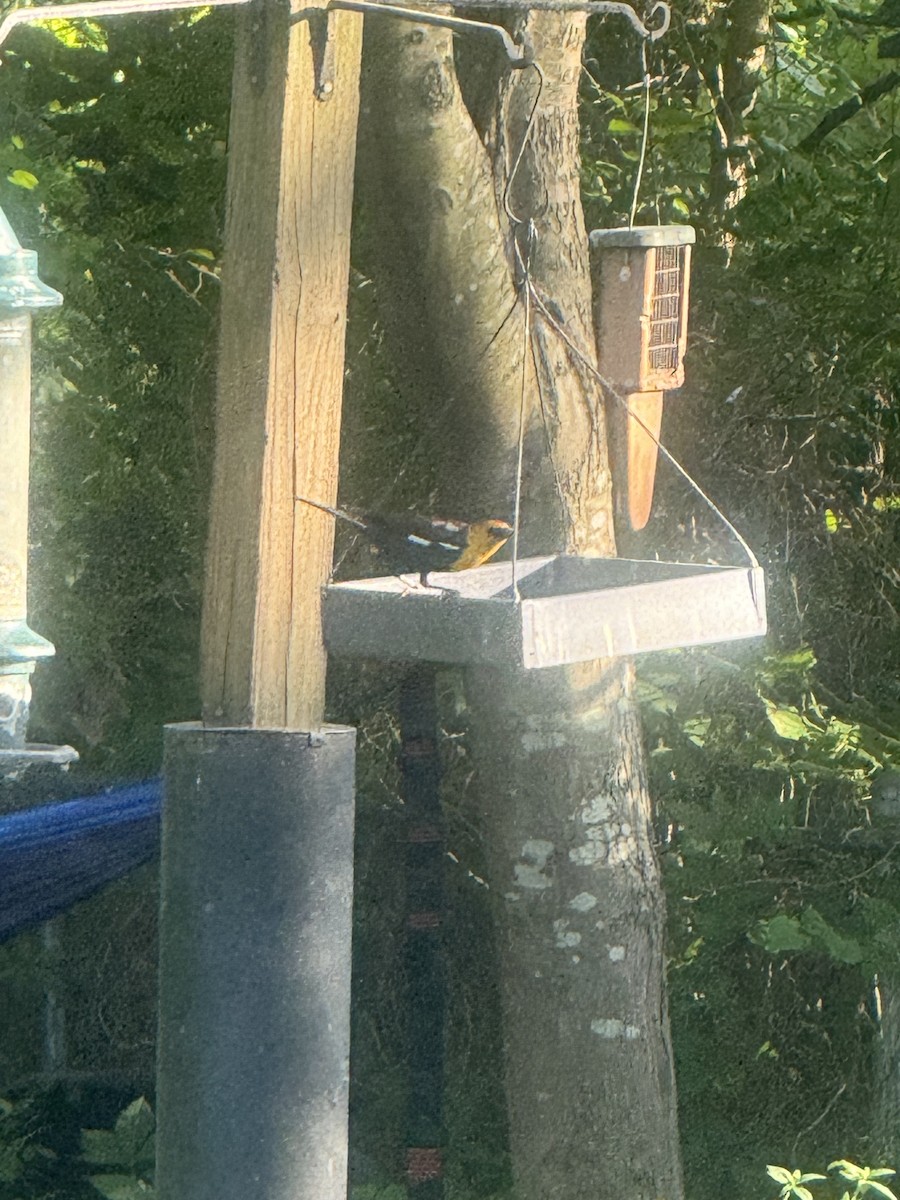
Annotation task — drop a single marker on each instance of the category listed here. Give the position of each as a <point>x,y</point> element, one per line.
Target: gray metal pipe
<point>255,933</point>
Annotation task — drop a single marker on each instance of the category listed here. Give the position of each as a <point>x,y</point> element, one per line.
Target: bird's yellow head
<point>484,540</point>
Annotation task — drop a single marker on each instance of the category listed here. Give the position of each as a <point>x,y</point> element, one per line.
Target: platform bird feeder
<point>566,609</point>
<point>569,609</point>
<point>643,275</point>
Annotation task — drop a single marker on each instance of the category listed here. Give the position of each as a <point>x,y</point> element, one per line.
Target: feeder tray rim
<point>641,236</point>
<point>404,586</point>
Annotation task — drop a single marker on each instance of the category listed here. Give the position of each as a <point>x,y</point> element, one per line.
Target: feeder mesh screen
<point>665,321</point>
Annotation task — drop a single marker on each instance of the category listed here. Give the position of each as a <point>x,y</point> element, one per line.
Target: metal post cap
<point>19,644</point>
<point>20,287</point>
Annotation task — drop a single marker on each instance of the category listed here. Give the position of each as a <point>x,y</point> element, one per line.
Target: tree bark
<point>559,790</point>
<point>733,80</point>
<point>886,1069</point>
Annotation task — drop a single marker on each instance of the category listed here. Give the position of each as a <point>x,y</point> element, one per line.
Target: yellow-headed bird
<point>408,544</point>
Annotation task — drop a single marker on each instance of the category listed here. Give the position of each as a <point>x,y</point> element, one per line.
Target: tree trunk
<point>886,1069</point>
<point>733,80</point>
<point>559,790</point>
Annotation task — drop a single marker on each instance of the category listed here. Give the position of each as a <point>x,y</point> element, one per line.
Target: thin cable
<point>644,138</point>
<point>523,263</point>
<point>666,453</point>
<point>507,208</point>
<point>520,449</point>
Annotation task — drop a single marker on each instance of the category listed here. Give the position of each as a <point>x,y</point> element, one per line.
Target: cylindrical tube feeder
<point>21,294</point>
<point>643,282</point>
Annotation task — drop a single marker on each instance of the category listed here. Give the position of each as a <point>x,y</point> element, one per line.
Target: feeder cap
<point>20,647</point>
<point>13,763</point>
<point>20,287</point>
<point>640,236</point>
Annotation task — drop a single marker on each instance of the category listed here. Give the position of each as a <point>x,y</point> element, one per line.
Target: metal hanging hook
<point>518,54</point>
<point>655,25</point>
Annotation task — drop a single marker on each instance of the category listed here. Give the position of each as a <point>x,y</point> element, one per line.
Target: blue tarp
<point>56,854</point>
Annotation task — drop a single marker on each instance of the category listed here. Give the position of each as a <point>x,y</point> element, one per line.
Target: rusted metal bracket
<point>518,51</point>
<point>320,20</point>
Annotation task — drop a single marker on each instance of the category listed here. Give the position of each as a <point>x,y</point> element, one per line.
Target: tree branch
<point>843,112</point>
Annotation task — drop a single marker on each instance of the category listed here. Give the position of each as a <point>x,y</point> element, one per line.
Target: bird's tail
<point>335,512</point>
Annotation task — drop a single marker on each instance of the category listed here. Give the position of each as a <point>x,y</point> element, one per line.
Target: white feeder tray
<point>571,610</point>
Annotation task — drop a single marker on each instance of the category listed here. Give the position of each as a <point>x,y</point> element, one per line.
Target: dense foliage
<point>772,767</point>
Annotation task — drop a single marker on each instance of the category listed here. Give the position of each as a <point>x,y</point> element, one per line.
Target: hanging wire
<point>520,448</point>
<point>531,296</point>
<point>645,137</point>
<point>609,388</point>
<point>517,162</point>
<point>523,262</point>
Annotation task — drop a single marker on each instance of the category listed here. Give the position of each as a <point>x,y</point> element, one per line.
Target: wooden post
<point>281,366</point>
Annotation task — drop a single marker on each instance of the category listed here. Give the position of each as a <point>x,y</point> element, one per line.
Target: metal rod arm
<point>518,55</point>
<point>98,8</point>
<point>660,11</point>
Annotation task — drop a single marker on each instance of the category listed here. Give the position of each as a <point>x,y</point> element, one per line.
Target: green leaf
<point>81,35</point>
<point>99,1146</point>
<point>620,125</point>
<point>787,722</point>
<point>786,665</point>
<point>678,120</point>
<point>870,1185</point>
<point>848,1169</point>
<point>835,521</point>
<point>122,1187</point>
<point>781,933</point>
<point>22,179</point>
<point>836,944</point>
<point>130,1144</point>
<point>780,1174</point>
<point>697,729</point>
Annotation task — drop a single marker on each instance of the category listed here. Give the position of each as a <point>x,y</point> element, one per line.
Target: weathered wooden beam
<point>281,366</point>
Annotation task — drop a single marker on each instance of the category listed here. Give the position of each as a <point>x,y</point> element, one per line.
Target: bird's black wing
<point>409,544</point>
